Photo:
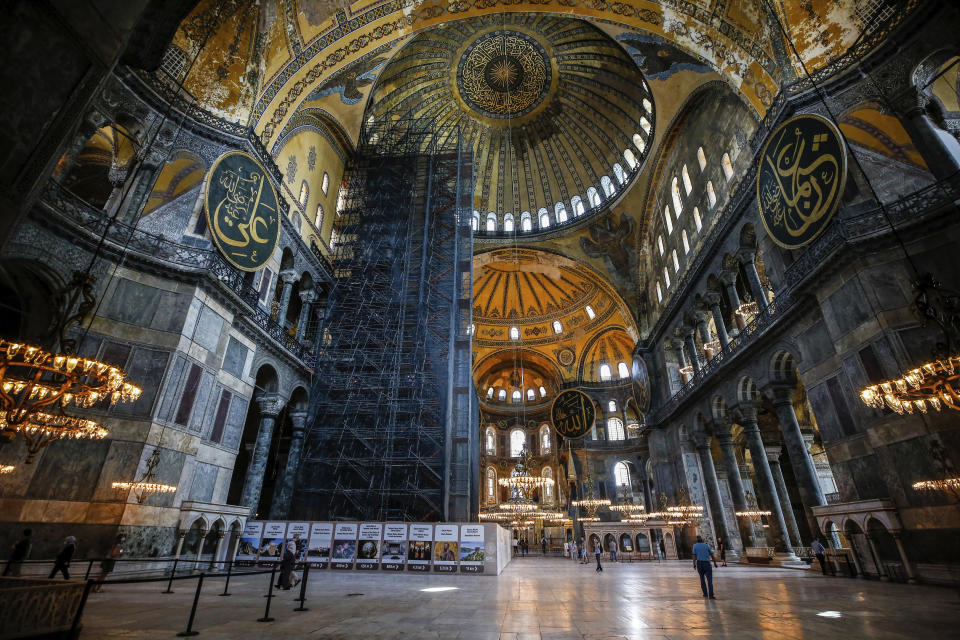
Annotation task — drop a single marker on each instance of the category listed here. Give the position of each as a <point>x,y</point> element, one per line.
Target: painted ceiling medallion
<point>504,74</point>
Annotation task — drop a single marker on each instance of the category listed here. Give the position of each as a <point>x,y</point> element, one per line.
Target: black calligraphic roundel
<point>242,210</point>
<point>800,179</point>
<point>572,414</point>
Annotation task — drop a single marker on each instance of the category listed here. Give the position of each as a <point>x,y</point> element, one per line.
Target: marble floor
<point>540,598</point>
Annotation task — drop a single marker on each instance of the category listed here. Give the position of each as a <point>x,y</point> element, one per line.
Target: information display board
<point>420,547</point>
<point>472,549</point>
<point>393,551</point>
<point>445,548</point>
<point>344,545</point>
<point>249,546</point>
<point>271,546</point>
<point>368,549</point>
<point>298,533</point>
<point>318,549</point>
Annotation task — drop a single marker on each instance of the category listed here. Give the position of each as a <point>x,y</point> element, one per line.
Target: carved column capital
<point>289,276</point>
<point>773,452</point>
<point>298,420</point>
<point>308,296</point>
<point>269,404</point>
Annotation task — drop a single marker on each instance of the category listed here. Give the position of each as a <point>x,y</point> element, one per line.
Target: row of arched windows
<point>491,485</point>
<point>606,373</point>
<point>518,441</point>
<point>517,395</point>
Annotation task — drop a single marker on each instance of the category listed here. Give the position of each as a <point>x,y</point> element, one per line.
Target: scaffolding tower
<point>393,426</point>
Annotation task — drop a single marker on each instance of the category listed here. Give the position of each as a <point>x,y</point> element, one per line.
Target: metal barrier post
<point>173,572</point>
<point>303,588</point>
<point>193,610</point>
<point>266,614</point>
<point>89,569</point>
<point>75,627</point>
<point>226,585</point>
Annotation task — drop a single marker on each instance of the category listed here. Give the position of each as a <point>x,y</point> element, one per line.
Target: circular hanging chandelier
<point>6,468</point>
<point>589,519</point>
<point>493,516</point>
<point>147,484</point>
<point>518,506</point>
<point>934,384</point>
<point>753,511</point>
<point>628,508</point>
<point>684,513</point>
<point>40,429</point>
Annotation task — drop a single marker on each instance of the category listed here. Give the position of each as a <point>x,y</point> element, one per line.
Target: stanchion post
<point>173,572</point>
<point>89,569</point>
<point>75,627</point>
<point>193,610</point>
<point>266,614</point>
<point>226,585</point>
<point>303,588</point>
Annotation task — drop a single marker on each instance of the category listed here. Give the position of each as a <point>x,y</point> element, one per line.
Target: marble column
<point>217,559</point>
<point>929,140</point>
<point>804,470</point>
<point>306,299</point>
<point>712,486</point>
<point>288,277</point>
<point>691,345</point>
<point>729,280</point>
<point>677,344</point>
<point>88,126</point>
<point>766,486</point>
<point>877,561</point>
<point>713,298</point>
<point>704,332</point>
<point>907,565</point>
<point>203,540</point>
<point>181,536</point>
<point>280,507</point>
<point>645,485</point>
<point>753,279</point>
<point>269,405</point>
<point>725,440</point>
<point>773,458</point>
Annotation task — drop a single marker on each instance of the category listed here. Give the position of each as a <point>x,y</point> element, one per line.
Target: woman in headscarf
<point>62,562</point>
<point>287,563</point>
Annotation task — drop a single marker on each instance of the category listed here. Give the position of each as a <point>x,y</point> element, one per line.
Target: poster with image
<point>472,551</point>
<point>419,547</point>
<point>393,550</point>
<point>445,548</point>
<point>249,545</point>
<point>298,533</point>
<point>318,548</point>
<point>368,549</point>
<point>271,546</point>
<point>344,545</point>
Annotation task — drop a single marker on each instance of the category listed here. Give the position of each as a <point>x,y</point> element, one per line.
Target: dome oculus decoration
<point>504,74</point>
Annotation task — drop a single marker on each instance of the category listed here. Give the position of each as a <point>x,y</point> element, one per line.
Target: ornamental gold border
<point>589,399</point>
<point>843,179</point>
<point>206,206</point>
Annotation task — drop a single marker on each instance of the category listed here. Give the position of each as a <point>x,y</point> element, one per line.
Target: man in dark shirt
<point>20,552</point>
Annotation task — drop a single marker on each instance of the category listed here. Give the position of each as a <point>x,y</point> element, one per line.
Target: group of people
<point>520,547</point>
<point>20,552</point>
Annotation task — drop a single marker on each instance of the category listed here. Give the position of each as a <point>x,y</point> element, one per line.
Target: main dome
<point>558,116</point>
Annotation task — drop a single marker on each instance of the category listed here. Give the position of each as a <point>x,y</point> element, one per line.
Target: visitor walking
<point>543,544</point>
<point>820,552</point>
<point>62,562</point>
<point>598,551</point>
<point>19,552</point>
<point>613,552</point>
<point>516,547</point>
<point>287,562</point>
<point>722,550</point>
<point>702,555</point>
<point>107,564</point>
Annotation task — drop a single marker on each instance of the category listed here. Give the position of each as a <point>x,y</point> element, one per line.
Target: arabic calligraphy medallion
<point>504,74</point>
<point>242,210</point>
<point>572,414</point>
<point>800,179</point>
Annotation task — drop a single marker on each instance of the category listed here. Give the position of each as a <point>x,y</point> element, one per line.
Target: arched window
<point>544,439</point>
<point>711,195</point>
<point>621,475</point>
<point>516,396</point>
<point>701,158</point>
<point>557,327</point>
<point>518,442</point>
<point>548,487</point>
<point>576,203</point>
<point>544,216</point>
<point>491,221</point>
<point>687,185</point>
<point>630,158</point>
<point>675,194</point>
<point>590,313</point>
<point>607,185</point>
<point>676,262</point>
<point>668,219</point>
<point>491,440</point>
<point>686,243</point>
<point>318,221</point>
<point>543,391</point>
<point>526,221</point>
<point>623,370</point>
<point>531,395</point>
<point>727,166</point>
<point>325,183</point>
<point>514,333</point>
<point>639,143</point>
<point>502,395</point>
<point>615,429</point>
<point>475,224</point>
<point>490,392</point>
<point>666,277</point>
<point>605,372</point>
<point>660,244</point>
<point>659,292</point>
<point>560,212</point>
<point>647,105</point>
<point>612,406</point>
<point>619,173</point>
<point>593,196</point>
<point>491,485</point>
<point>696,219</point>
<point>304,194</point>
<point>508,222</point>
<point>645,125</point>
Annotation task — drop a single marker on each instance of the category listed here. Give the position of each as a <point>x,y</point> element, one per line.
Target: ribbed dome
<point>557,114</point>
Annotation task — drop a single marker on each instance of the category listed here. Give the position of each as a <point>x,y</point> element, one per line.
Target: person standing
<point>19,552</point>
<point>62,562</point>
<point>821,553</point>
<point>107,564</point>
<point>598,551</point>
<point>543,544</point>
<point>287,562</point>
<point>516,547</point>
<point>702,555</point>
<point>722,550</point>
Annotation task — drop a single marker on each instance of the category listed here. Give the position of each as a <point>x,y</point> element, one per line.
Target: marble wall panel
<point>235,358</point>
<point>69,470</point>
<point>208,329</point>
<point>204,479</point>
<point>847,307</point>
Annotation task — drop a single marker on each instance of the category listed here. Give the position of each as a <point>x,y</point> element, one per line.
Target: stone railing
<point>759,552</point>
<point>37,608</point>
<point>121,240</point>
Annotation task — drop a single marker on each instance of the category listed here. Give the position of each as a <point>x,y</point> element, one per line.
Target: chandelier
<point>628,508</point>
<point>496,517</point>
<point>147,484</point>
<point>947,485</point>
<point>753,511</point>
<point>6,468</point>
<point>40,429</point>
<point>589,502</point>
<point>518,506</point>
<point>522,479</point>
<point>589,519</point>
<point>685,513</point>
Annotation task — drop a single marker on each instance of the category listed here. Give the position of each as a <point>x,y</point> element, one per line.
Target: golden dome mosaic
<point>504,74</point>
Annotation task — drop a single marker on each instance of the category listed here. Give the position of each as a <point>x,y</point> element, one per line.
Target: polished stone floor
<point>540,598</point>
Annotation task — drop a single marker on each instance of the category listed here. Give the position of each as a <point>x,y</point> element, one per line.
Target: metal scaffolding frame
<point>392,432</point>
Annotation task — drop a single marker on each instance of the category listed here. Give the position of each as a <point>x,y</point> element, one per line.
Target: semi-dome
<point>558,116</point>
